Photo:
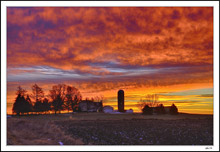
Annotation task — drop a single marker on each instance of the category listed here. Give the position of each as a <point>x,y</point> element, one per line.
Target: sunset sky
<point>145,50</point>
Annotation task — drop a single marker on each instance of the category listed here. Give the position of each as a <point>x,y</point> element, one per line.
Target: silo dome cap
<point>120,90</point>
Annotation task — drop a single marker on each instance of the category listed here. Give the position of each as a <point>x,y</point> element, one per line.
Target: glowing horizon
<point>162,50</point>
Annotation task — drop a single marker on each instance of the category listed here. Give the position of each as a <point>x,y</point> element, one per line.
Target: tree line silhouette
<point>63,97</point>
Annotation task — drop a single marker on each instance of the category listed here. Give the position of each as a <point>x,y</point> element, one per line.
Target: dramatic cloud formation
<point>99,49</point>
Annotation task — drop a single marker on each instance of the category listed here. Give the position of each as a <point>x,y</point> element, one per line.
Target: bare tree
<point>73,97</point>
<point>99,98</point>
<point>37,93</point>
<point>57,94</point>
<point>151,100</point>
<point>57,90</point>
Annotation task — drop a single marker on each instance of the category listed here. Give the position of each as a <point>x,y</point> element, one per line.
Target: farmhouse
<point>167,109</point>
<point>163,110</point>
<point>90,106</point>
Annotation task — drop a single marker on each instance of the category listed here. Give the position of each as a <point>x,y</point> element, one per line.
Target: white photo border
<point>5,4</point>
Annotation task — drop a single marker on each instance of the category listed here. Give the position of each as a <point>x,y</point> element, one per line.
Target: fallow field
<point>110,129</point>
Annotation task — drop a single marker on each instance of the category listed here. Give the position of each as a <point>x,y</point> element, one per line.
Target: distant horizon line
<point>100,113</point>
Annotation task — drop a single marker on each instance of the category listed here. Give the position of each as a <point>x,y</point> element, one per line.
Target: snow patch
<point>129,111</point>
<point>60,143</point>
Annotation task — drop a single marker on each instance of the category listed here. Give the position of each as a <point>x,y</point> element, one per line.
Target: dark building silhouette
<point>90,106</point>
<point>121,101</point>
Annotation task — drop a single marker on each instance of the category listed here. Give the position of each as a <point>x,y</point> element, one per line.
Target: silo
<point>121,101</point>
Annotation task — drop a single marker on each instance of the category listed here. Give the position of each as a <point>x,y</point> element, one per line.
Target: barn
<point>90,106</point>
